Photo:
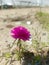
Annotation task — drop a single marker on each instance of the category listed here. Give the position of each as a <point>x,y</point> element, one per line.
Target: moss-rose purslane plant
<point>20,33</point>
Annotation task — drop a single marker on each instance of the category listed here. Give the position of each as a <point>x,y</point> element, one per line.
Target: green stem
<point>19,45</point>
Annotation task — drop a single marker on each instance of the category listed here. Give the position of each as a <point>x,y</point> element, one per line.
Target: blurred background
<point>32,14</point>
<point>23,3</point>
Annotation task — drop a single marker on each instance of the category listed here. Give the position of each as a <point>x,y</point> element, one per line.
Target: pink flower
<point>20,32</point>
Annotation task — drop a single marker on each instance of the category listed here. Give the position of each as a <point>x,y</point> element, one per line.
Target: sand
<point>6,25</point>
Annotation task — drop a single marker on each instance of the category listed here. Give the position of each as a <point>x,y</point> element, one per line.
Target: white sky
<point>38,1</point>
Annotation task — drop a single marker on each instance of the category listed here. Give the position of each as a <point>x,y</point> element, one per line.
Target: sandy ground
<point>21,11</point>
<point>6,26</point>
